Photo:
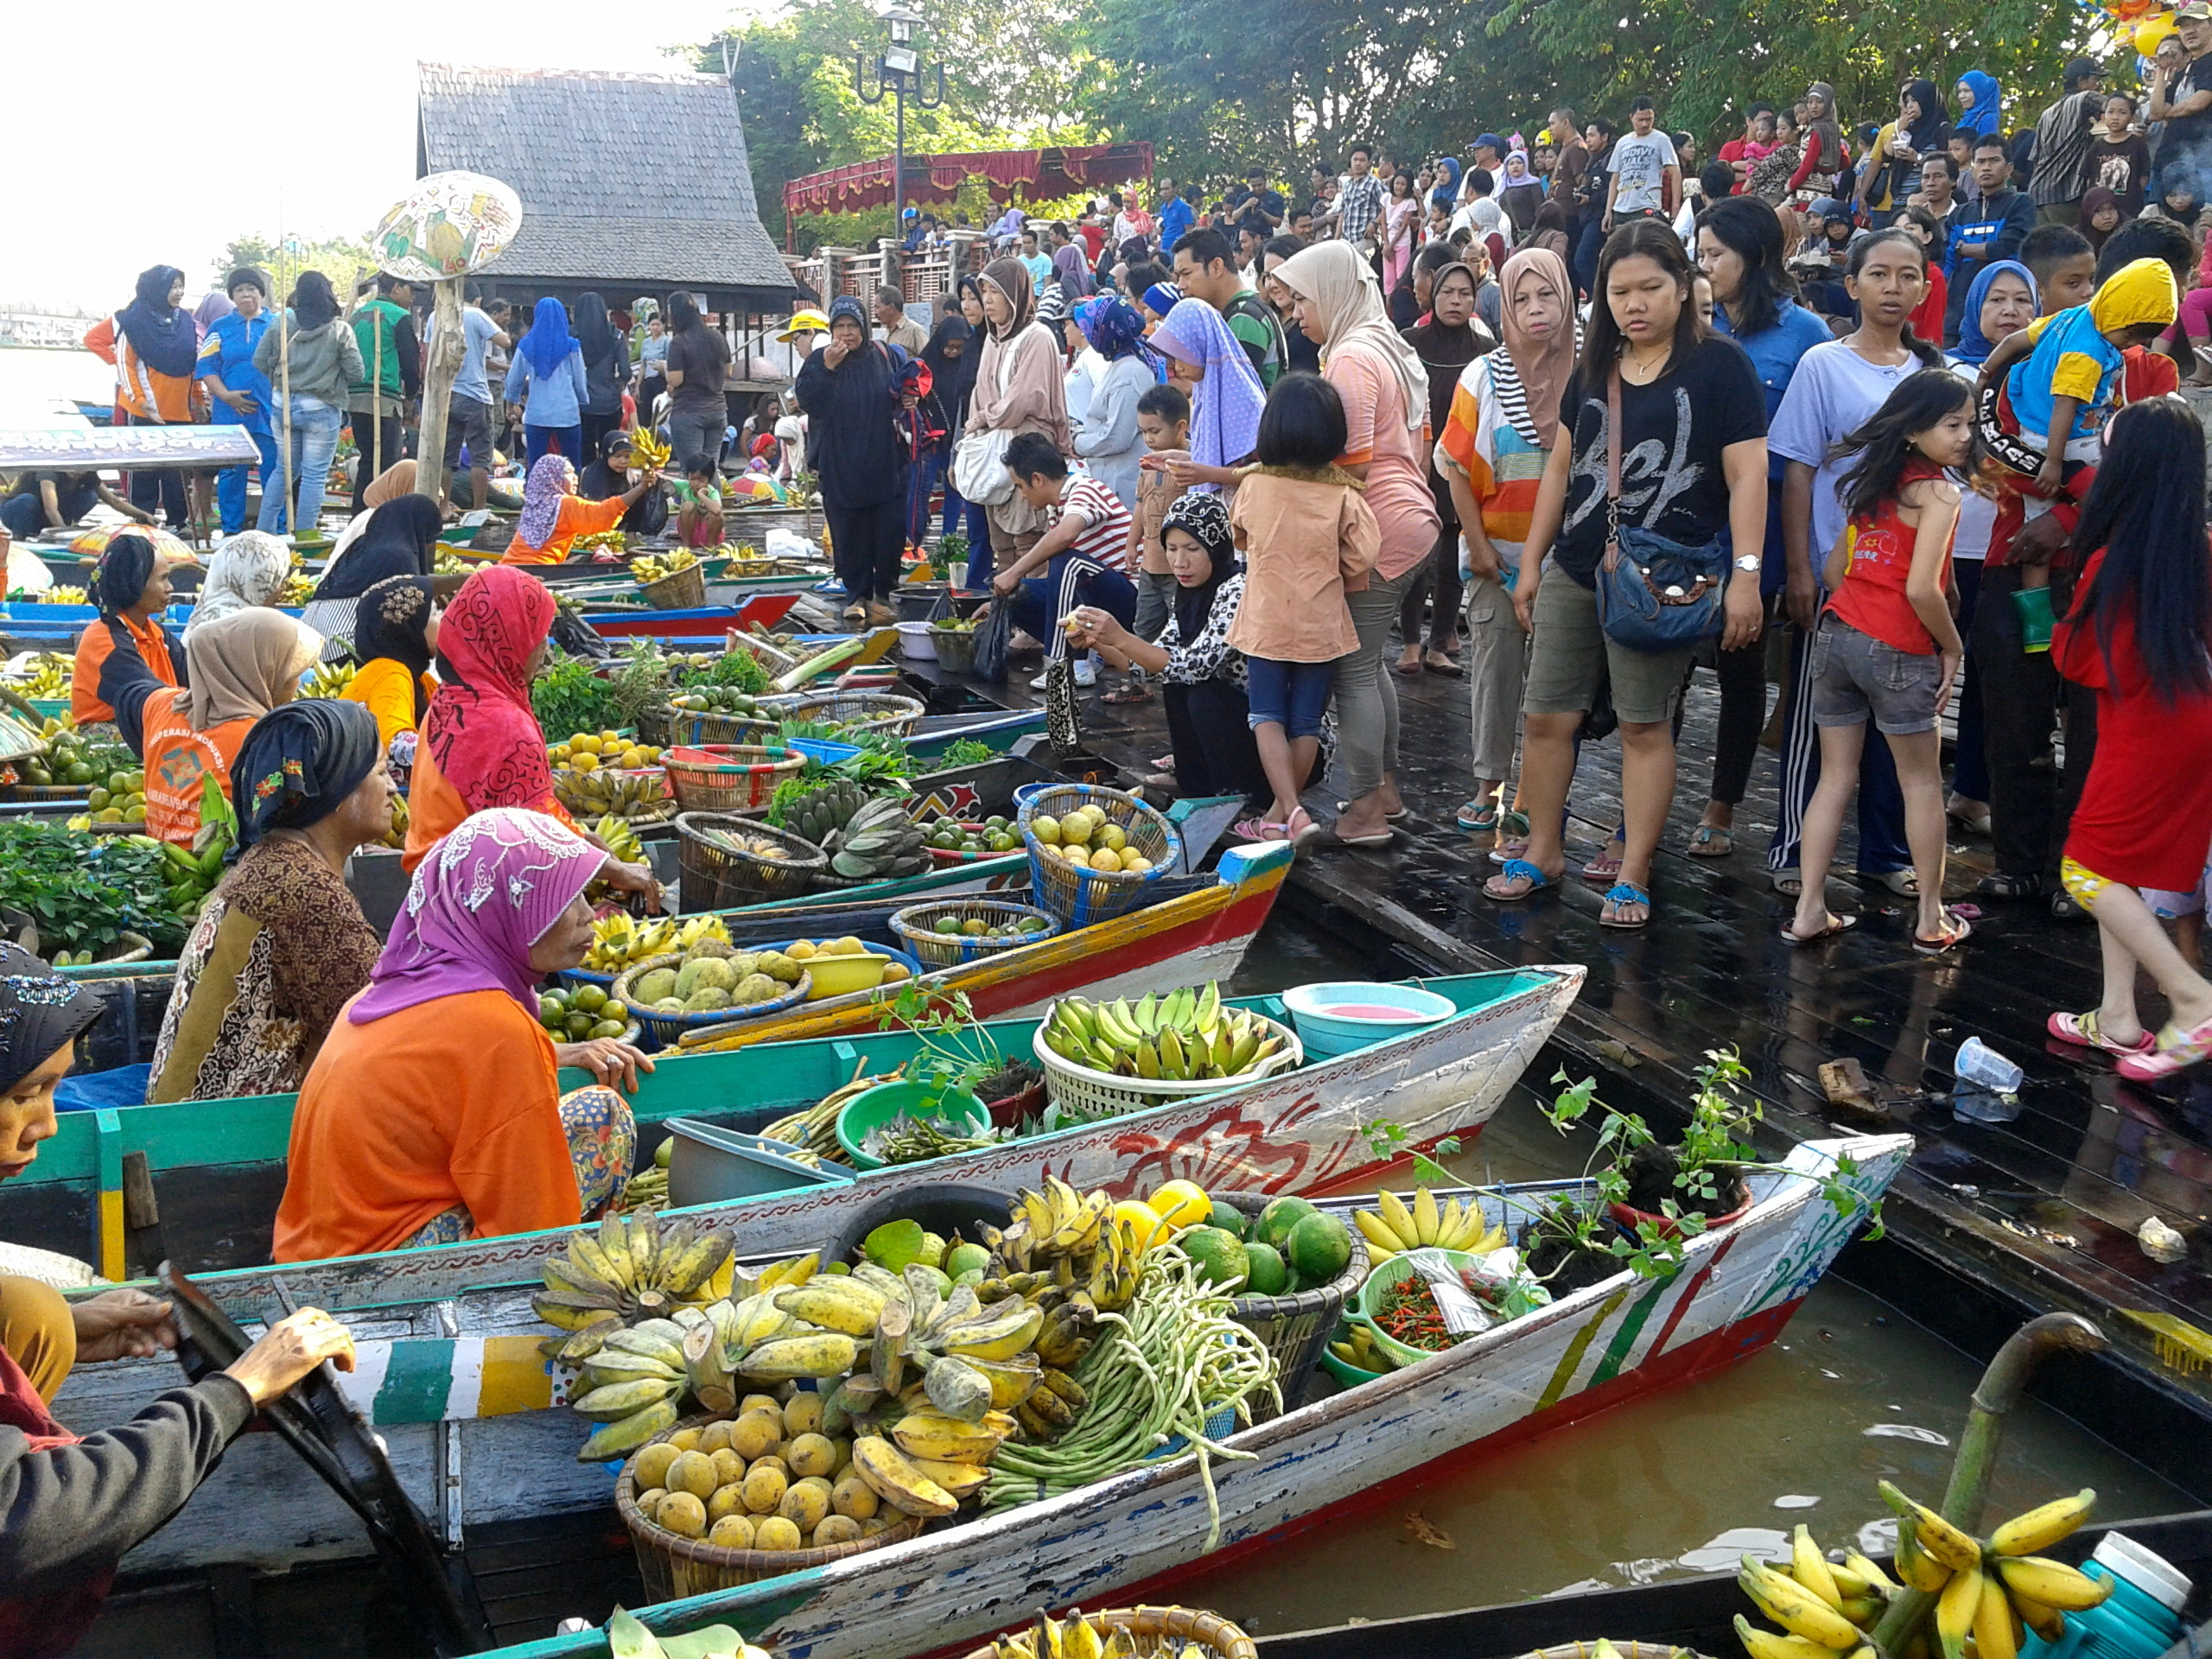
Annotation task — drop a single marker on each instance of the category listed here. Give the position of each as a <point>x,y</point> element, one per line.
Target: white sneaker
<point>1085,676</point>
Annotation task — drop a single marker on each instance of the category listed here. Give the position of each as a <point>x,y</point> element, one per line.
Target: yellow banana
<point>1810,1568</point>
<point>1796,1609</point>
<point>894,1478</point>
<point>1919,1570</point>
<point>1956,1608</point>
<point>1949,1545</point>
<point>1765,1644</point>
<point>1996,1629</point>
<point>1875,1580</point>
<point>2046,1621</point>
<point>960,1479</point>
<point>2042,1527</point>
<point>932,1434</point>
<point>816,1354</point>
<point>1424,1215</point>
<point>784,1274</point>
<point>836,1302</point>
<point>2052,1583</point>
<point>1397,1218</point>
<point>1376,1234</point>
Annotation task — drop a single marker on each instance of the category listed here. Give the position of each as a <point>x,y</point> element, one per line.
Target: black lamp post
<point>899,75</point>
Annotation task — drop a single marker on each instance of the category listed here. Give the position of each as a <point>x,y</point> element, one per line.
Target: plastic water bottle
<point>2139,1620</point>
<point>1985,1068</point>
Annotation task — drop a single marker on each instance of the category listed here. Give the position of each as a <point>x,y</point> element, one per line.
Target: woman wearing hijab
<point>1552,227</point>
<point>850,392</point>
<point>1822,155</point>
<point>126,647</point>
<point>1215,373</point>
<point>249,568</point>
<point>1891,170</point>
<point>1446,341</point>
<point>546,387</point>
<point>1491,448</point>
<point>554,514</point>
<point>1446,193</point>
<point>155,346</point>
<point>1401,228</point>
<point>609,475</point>
<point>282,943</point>
<point>1384,390</point>
<point>1106,438</point>
<point>607,366</point>
<point>401,540</point>
<point>395,638</point>
<point>1520,192</point>
<point>1020,388</point>
<point>434,1113</point>
<point>311,360</point>
<point>71,1507</point>
<point>950,356</point>
<point>1979,99</point>
<point>244,664</point>
<point>481,746</point>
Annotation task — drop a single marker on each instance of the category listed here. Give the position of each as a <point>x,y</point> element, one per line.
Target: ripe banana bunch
<point>329,680</point>
<point>653,567</point>
<point>621,839</point>
<point>48,674</point>
<point>1183,1036</point>
<point>647,452</point>
<point>627,1270</point>
<point>1826,1608</point>
<point>613,540</point>
<point>1994,1592</point>
<point>1078,1638</point>
<point>299,587</point>
<point>927,1350</point>
<point>620,941</point>
<point>1065,1254</point>
<point>1392,1227</point>
<point>64,596</point>
<point>602,790</point>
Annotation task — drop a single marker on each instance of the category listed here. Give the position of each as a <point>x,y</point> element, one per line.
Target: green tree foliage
<point>343,261</point>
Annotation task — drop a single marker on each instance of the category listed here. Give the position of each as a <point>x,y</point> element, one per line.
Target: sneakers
<point>1086,675</point>
<point>832,588</point>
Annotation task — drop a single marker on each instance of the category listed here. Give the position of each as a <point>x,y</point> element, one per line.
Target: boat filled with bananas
<point>442,1343</point>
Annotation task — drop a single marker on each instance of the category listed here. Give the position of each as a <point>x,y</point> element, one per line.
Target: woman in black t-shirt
<point>1693,468</point>
<point>43,501</point>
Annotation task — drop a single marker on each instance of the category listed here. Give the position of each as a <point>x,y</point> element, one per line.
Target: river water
<point>1678,1482</point>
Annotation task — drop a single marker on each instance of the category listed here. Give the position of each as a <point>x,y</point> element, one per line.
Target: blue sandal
<point>1625,893</point>
<point>1522,869</point>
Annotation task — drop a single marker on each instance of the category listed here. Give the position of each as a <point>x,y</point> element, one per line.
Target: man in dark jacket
<point>1991,230</point>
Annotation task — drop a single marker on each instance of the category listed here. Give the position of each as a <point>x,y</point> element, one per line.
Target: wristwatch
<point>1747,561</point>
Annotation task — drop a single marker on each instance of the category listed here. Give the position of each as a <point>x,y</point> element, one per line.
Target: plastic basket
<point>1084,1089</point>
<point>955,649</point>
<point>728,777</point>
<point>1215,1637</point>
<point>673,1567</point>
<point>864,711</point>
<point>1081,896</point>
<point>668,1028</point>
<point>684,591</point>
<point>916,924</point>
<point>1393,1272</point>
<point>1296,1328</point>
<point>715,876</point>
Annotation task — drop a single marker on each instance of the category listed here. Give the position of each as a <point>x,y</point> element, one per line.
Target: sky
<point>169,130</point>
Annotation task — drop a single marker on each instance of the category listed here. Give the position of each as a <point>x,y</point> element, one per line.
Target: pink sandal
<point>2083,1031</point>
<point>1258,828</point>
<point>2177,1050</point>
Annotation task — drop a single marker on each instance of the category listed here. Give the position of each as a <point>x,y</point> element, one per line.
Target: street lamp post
<point>899,75</point>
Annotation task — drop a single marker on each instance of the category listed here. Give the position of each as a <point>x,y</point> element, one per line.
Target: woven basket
<point>1627,1649</point>
<point>955,649</point>
<point>728,777</point>
<point>695,727</point>
<point>1295,1328</point>
<point>864,711</point>
<point>1214,1636</point>
<point>50,791</point>
<point>916,926</point>
<point>673,1567</point>
<point>684,591</point>
<point>1087,1090</point>
<point>715,877</point>
<point>668,1028</point>
<point>1080,897</point>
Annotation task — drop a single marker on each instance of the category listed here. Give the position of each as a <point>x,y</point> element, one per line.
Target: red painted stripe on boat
<point>1689,1295</point>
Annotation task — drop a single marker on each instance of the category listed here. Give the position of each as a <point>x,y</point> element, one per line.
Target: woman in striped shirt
<point>1083,550</point>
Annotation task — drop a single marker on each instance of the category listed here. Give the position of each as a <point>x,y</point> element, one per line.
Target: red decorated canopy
<point>1059,170</point>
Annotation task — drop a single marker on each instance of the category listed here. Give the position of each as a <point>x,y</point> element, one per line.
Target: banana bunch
<point>623,1272</point>
<point>1392,1227</point>
<point>647,452</point>
<point>614,540</point>
<point>604,792</point>
<point>329,680</point>
<point>47,674</point>
<point>656,566</point>
<point>621,839</point>
<point>1078,1638</point>
<point>63,596</point>
<point>928,1351</point>
<point>1071,1256</point>
<point>299,587</point>
<point>1183,1036</point>
<point>619,940</point>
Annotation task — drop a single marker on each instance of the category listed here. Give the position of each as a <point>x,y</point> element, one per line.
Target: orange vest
<point>178,759</point>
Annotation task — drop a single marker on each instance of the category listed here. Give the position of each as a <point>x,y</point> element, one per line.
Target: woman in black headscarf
<point>849,390</point>
<point>282,943</point>
<point>128,652</point>
<point>1446,341</point>
<point>607,475</point>
<point>401,540</point>
<point>607,366</point>
<point>154,359</point>
<point>395,639</point>
<point>950,354</point>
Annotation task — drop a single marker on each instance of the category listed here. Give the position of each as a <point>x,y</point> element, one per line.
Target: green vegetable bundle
<point>568,697</point>
<point>83,892</point>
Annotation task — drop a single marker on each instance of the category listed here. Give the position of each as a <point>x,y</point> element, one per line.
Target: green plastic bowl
<point>1386,1276</point>
<point>873,1107</point>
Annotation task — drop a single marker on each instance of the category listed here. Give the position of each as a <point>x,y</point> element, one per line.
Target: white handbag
<point>978,469</point>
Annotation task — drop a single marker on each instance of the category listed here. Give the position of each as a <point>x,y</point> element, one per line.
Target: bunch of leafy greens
<point>740,669</point>
<point>85,892</point>
<point>568,697</point>
<point>965,752</point>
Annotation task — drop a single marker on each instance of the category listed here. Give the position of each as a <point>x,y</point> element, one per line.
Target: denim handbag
<point>1653,594</point>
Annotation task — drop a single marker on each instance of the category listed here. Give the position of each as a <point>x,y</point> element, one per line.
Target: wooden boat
<point>217,1167</point>
<point>450,1378</point>
<point>1697,1613</point>
<point>766,609</point>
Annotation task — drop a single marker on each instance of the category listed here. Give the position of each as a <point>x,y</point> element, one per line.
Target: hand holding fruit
<point>1089,626</point>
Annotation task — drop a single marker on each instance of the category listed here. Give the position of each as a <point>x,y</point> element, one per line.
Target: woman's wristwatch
<point>1749,561</point>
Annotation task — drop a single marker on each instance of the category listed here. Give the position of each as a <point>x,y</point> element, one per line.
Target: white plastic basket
<point>1086,1090</point>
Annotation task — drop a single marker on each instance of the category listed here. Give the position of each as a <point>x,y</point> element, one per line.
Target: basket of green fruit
<point>953,930</point>
<point>955,640</point>
<point>709,984</point>
<point>576,1014</point>
<point>950,841</point>
<point>723,714</point>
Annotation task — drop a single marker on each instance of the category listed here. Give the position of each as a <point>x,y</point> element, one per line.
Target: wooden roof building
<point>631,184</point>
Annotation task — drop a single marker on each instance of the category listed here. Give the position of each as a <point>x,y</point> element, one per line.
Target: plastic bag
<point>991,640</point>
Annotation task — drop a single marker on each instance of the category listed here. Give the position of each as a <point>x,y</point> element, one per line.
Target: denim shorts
<point>1857,677</point>
<point>1294,695</point>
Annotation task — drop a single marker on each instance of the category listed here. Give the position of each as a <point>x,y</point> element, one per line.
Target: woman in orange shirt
<point>554,515</point>
<point>250,662</point>
<point>155,346</point>
<point>126,648</point>
<point>481,746</point>
<point>433,1113</point>
<point>395,636</point>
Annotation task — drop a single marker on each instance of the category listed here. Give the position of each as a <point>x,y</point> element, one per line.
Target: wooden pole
<point>376,386</point>
<point>447,349</point>
<point>284,374</point>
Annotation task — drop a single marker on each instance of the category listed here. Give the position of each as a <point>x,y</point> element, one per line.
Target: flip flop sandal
<point>1518,870</point>
<point>1606,866</point>
<point>1478,820</point>
<point>1127,694</point>
<point>1260,829</point>
<point>1903,883</point>
<point>1301,829</point>
<point>1787,882</point>
<point>1404,671</point>
<point>1345,806</point>
<point>1510,847</point>
<point>2177,1050</point>
<point>1837,924</point>
<point>1625,893</point>
<point>1954,934</point>
<point>1710,840</point>
<point>2083,1031</point>
<point>1383,839</point>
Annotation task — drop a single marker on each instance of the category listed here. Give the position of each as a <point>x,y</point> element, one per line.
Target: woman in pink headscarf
<point>434,1113</point>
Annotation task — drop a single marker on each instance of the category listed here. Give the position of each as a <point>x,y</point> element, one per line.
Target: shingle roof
<point>623,177</point>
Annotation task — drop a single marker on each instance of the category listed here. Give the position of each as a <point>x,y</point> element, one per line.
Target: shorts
<point>1294,695</point>
<point>1856,677</point>
<point>469,422</point>
<point>2171,906</point>
<point>1569,654</point>
<point>2084,883</point>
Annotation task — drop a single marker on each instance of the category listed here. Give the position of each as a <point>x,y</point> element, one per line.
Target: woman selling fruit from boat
<point>554,515</point>
<point>481,746</point>
<point>250,662</point>
<point>609,476</point>
<point>395,637</point>
<point>282,943</point>
<point>69,1507</point>
<point>125,646</point>
<point>433,1113</point>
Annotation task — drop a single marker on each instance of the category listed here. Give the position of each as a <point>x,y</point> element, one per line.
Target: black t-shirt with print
<point>1671,479</point>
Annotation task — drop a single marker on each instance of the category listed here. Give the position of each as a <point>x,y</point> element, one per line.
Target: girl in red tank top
<point>1887,650</point>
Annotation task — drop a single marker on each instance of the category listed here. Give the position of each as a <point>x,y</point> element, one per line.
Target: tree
<point>344,261</point>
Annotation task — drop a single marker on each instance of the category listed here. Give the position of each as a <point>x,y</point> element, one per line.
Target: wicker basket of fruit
<point>669,996</point>
<point>1094,852</point>
<point>672,581</point>
<point>726,862</point>
<point>950,931</point>
<point>1146,1633</point>
<point>722,713</point>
